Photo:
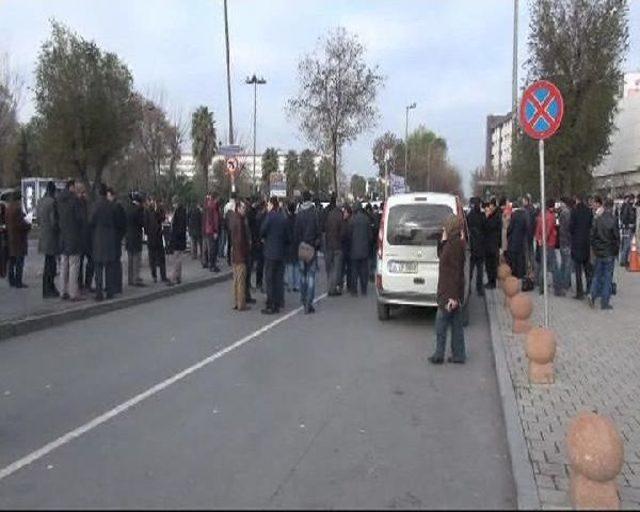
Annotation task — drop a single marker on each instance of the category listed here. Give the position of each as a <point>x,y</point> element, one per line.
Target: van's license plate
<point>403,267</point>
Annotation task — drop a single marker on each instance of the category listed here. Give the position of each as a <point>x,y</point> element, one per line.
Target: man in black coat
<point>257,249</point>
<point>492,242</point>
<point>120,222</point>
<point>195,231</point>
<point>517,235</point>
<point>334,231</point>
<point>133,242</point>
<point>275,235</point>
<point>104,235</point>
<point>71,242</point>
<point>178,240</point>
<point>605,243</point>
<point>580,229</point>
<point>154,218</point>
<point>476,222</point>
<point>360,235</point>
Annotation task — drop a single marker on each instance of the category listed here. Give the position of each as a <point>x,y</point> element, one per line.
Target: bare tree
<point>336,100</point>
<point>11,86</point>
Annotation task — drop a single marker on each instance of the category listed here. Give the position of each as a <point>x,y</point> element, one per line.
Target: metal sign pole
<point>543,212</point>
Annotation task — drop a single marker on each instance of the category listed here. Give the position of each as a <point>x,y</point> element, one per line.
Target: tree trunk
<point>335,168</point>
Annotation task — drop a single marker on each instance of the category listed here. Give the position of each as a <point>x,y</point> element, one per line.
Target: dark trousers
<point>212,251</point>
<point>49,275</point>
<point>274,277</point>
<point>104,275</point>
<point>360,270</point>
<point>258,257</point>
<point>580,268</point>
<point>346,272</point>
<point>117,272</point>
<point>157,259</point>
<point>16,267</point>
<point>477,264</point>
<point>444,320</point>
<point>602,279</point>
<point>491,265</point>
<point>247,278</point>
<point>517,263</point>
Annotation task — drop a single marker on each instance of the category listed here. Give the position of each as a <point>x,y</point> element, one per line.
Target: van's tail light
<point>379,282</point>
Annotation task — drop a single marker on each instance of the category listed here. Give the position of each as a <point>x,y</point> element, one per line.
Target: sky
<point>453,58</point>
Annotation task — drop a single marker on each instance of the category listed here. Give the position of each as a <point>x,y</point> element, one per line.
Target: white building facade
<point>619,172</point>
<point>498,145</point>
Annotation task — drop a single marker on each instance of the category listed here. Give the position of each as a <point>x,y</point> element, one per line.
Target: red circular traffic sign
<point>541,110</point>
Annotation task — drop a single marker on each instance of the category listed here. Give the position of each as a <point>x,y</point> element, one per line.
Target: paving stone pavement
<point>597,368</point>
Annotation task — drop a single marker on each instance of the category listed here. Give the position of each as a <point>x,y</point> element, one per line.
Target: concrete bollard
<point>510,286</point>
<point>504,271</point>
<point>596,455</point>
<point>541,350</point>
<point>521,307</point>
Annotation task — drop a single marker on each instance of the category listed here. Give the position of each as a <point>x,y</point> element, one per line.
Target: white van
<point>407,270</point>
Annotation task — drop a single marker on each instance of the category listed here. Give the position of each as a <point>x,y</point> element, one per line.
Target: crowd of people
<point>584,237</point>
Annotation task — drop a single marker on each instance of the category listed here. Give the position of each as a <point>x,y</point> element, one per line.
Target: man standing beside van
<point>477,221</point>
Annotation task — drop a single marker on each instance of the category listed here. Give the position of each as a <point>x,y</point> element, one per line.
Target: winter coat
<point>153,228</point>
<point>103,228</point>
<point>580,229</point>
<point>517,231</point>
<point>179,229</point>
<point>605,236</point>
<point>135,224</point>
<point>120,223</point>
<point>334,229</point>
<point>477,224</point>
<point>87,239</point>
<point>493,228</point>
<point>628,216</point>
<point>49,230</point>
<point>17,230</point>
<point>552,230</point>
<point>451,272</point>
<point>291,249</point>
<point>307,226</point>
<point>71,223</point>
<point>275,233</point>
<point>240,245</point>
<point>211,218</point>
<point>564,228</point>
<point>360,235</point>
<point>195,223</point>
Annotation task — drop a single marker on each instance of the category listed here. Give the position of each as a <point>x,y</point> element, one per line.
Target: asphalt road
<point>332,410</point>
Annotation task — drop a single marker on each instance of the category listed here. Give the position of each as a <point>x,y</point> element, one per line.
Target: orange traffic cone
<point>634,257</point>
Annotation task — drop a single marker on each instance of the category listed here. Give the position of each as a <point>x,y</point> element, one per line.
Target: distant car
<point>407,269</point>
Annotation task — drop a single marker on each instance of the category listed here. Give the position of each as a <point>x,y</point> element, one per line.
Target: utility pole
<point>226,34</point>
<point>255,81</point>
<point>406,139</point>
<point>514,83</point>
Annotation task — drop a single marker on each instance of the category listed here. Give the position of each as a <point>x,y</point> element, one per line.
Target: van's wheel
<point>383,312</point>
<point>465,315</point>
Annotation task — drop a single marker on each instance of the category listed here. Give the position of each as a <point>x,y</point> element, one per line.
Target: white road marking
<point>123,407</point>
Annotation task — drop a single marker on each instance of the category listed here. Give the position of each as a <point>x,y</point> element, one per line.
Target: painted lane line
<point>103,418</point>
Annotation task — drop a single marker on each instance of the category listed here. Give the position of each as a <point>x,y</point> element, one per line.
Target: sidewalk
<point>25,310</point>
<point>597,368</point>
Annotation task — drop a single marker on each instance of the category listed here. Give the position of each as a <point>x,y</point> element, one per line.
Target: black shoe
<point>450,359</point>
<point>579,296</point>
<point>606,307</point>
<point>65,296</point>
<point>436,360</point>
<point>268,311</point>
<point>311,309</point>
<point>251,300</point>
<point>169,283</point>
<point>480,293</point>
<point>490,286</point>
<point>99,297</point>
<point>109,296</point>
<point>216,269</point>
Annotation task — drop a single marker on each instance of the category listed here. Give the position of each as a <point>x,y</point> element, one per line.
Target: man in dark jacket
<point>195,231</point>
<point>133,242</point>
<point>103,227</point>
<point>360,236</point>
<point>517,234</point>
<point>275,234</point>
<point>580,229</point>
<point>71,233</point>
<point>564,243</point>
<point>628,228</point>
<point>49,242</point>
<point>212,224</point>
<point>307,230</point>
<point>17,234</point>
<point>257,249</point>
<point>605,242</point>
<point>334,231</point>
<point>178,243</point>
<point>154,217</point>
<point>492,242</point>
<point>85,278</point>
<point>120,224</point>
<point>450,294</point>
<point>476,222</point>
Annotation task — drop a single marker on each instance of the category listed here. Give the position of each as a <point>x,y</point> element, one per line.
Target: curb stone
<point>526,489</point>
<point>12,328</point>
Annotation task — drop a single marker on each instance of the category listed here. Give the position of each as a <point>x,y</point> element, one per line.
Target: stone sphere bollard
<point>521,307</point>
<point>504,271</point>
<point>510,286</point>
<point>596,455</point>
<point>541,349</point>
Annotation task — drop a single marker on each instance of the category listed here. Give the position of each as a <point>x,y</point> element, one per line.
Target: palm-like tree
<point>203,137</point>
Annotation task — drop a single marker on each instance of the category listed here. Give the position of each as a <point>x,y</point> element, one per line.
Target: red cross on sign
<point>541,110</point>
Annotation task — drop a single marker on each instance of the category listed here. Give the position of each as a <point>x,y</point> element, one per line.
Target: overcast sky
<point>452,57</point>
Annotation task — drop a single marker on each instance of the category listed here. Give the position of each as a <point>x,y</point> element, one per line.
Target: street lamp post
<point>406,139</point>
<point>255,81</point>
